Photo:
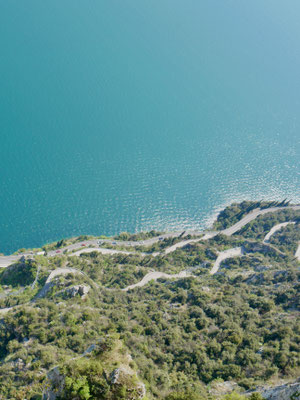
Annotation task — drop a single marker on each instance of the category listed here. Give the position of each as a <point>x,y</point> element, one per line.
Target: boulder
<point>54,385</point>
<point>82,290</point>
<point>220,389</point>
<point>288,391</point>
<point>120,376</point>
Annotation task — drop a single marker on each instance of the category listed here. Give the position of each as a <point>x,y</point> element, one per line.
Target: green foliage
<point>186,395</point>
<point>88,379</point>
<point>241,324</point>
<point>126,236</point>
<point>20,274</point>
<point>259,227</point>
<point>237,396</point>
<point>236,211</point>
<point>234,396</point>
<point>256,396</point>
<point>60,243</point>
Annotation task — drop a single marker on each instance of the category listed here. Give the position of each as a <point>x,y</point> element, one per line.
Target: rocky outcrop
<point>288,391</point>
<point>69,292</point>
<point>54,385</point>
<point>54,274</point>
<point>135,390</point>
<point>81,290</point>
<point>119,376</point>
<point>220,389</point>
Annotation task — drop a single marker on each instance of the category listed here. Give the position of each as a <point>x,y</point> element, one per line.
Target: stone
<point>288,391</point>
<point>82,290</point>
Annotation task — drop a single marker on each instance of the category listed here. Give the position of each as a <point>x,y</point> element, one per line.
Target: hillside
<point>172,316</point>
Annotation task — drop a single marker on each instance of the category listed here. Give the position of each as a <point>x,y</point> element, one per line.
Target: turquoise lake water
<point>133,115</point>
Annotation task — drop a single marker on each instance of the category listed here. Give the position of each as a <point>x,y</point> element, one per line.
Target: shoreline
<point>206,227</point>
<point>5,261</point>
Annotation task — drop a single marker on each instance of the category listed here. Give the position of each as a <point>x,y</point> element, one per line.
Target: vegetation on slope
<point>19,274</point>
<point>236,211</point>
<point>180,338</point>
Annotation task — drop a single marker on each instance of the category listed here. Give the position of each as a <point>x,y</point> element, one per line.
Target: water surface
<point>134,115</point>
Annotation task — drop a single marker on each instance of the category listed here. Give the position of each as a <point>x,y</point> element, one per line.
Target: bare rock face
<point>119,376</point>
<point>135,390</point>
<point>54,385</point>
<point>288,391</point>
<point>116,375</point>
<point>19,364</point>
<point>141,390</point>
<point>219,389</point>
<point>82,290</point>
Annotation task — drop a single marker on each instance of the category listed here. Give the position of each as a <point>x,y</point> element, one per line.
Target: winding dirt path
<point>153,276</point>
<point>5,261</point>
<point>235,252</point>
<point>53,274</point>
<point>297,254</point>
<point>252,215</point>
<point>277,228</point>
<point>101,250</point>
<point>233,229</point>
